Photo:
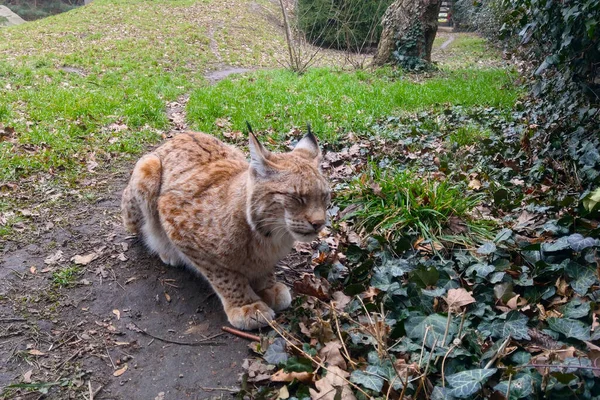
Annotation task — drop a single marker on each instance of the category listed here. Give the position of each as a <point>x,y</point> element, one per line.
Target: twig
<point>311,358</point>
<point>219,389</point>
<point>500,350</point>
<point>589,367</point>
<point>448,321</point>
<point>444,361</point>
<point>90,389</point>
<point>202,342</point>
<point>508,388</point>
<point>2,320</point>
<point>339,331</point>
<point>241,334</point>
<point>74,355</point>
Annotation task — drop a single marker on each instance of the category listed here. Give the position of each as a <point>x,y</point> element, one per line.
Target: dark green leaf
<point>276,353</point>
<point>570,328</point>
<point>467,383</point>
<point>367,380</point>
<point>514,325</point>
<point>487,249</point>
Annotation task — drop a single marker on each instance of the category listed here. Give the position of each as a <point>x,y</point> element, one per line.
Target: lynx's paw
<point>250,316</point>
<point>278,296</point>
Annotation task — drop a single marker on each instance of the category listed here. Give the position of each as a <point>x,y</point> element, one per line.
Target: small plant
<point>397,203</point>
<point>468,135</point>
<point>65,277</point>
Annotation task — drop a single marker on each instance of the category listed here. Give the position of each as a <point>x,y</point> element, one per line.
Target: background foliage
<point>32,10</point>
<point>343,24</point>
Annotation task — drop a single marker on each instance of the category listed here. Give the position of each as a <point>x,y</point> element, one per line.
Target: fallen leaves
<point>120,371</point>
<point>84,260</point>
<point>330,354</point>
<point>313,286</point>
<point>333,386</point>
<point>54,258</point>
<point>458,298</point>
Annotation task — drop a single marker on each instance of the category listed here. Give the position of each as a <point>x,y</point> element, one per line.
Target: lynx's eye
<point>298,199</point>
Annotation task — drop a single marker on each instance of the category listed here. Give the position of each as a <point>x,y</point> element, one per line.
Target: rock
<point>9,18</point>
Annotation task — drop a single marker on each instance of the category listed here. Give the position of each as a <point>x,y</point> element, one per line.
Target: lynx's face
<point>290,195</point>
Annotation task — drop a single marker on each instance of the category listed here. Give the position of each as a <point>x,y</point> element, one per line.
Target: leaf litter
<point>405,316</point>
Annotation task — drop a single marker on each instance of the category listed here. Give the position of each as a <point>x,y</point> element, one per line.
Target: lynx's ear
<point>309,146</point>
<point>258,156</point>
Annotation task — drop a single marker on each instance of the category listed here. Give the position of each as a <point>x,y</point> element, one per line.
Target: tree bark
<point>401,22</point>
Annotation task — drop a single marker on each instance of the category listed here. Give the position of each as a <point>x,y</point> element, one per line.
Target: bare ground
<point>72,329</point>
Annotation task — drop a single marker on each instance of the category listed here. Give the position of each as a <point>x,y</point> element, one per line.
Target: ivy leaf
<point>415,328</point>
<point>571,328</point>
<point>578,242</point>
<point>502,236</point>
<point>576,309</point>
<point>481,269</point>
<point>514,325</point>
<point>276,353</point>
<point>441,393</point>
<point>487,249</point>
<point>583,277</point>
<point>424,277</point>
<point>466,383</point>
<point>519,387</point>
<point>367,380</point>
<point>560,244</point>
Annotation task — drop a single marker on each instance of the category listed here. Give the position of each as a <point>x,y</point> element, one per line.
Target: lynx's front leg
<point>244,308</point>
<point>275,294</point>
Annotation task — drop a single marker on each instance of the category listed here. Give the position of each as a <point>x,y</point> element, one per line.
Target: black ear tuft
<point>249,127</point>
<point>310,135</point>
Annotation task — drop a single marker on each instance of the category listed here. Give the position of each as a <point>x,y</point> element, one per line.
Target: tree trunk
<point>409,27</point>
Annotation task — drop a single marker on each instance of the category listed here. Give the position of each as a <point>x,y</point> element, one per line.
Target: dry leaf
<point>330,354</point>
<point>167,297</point>
<point>120,371</point>
<point>35,352</point>
<point>27,376</point>
<point>313,286</point>
<point>458,298</point>
<point>117,313</point>
<point>33,270</point>
<point>283,393</point>
<point>282,376</point>
<point>84,260</point>
<point>340,300</point>
<point>475,184</point>
<point>333,386</point>
<point>54,258</point>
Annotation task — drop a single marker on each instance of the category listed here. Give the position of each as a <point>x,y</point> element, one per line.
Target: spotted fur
<point>197,201</point>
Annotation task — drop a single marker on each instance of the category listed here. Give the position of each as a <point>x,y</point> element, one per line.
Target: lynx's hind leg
<point>139,208</point>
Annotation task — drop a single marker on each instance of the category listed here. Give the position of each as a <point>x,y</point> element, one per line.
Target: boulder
<point>9,18</point>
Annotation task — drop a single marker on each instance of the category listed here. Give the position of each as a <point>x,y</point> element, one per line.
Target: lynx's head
<point>288,195</point>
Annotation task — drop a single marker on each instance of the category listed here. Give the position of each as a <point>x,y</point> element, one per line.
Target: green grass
<point>65,79</point>
<point>468,135</point>
<point>65,277</point>
<point>396,203</point>
<point>335,101</point>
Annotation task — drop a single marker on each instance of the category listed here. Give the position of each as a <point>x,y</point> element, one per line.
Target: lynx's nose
<point>317,225</point>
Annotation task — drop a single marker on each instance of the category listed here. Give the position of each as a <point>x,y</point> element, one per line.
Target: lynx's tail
<point>138,205</point>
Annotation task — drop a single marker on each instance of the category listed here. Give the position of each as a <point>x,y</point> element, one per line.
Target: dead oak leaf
<point>120,371</point>
<point>313,286</point>
<point>331,355</point>
<point>334,386</point>
<point>458,298</point>
<point>84,260</point>
<point>340,300</point>
<point>54,258</point>
<point>282,376</point>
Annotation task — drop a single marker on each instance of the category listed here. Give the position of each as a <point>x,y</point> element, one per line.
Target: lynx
<point>198,202</point>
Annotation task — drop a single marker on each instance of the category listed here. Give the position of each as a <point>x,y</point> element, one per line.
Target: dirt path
<point>72,326</point>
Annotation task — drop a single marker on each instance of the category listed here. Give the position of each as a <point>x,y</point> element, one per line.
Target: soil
<point>70,329</point>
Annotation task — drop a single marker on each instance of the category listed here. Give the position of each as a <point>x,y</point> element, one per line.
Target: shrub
<point>342,24</point>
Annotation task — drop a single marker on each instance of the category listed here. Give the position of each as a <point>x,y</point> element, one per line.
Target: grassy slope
<point>470,74</point>
<point>64,80</point>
